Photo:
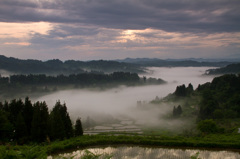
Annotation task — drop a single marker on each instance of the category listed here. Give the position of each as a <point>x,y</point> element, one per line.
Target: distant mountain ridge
<point>229,69</point>
<point>57,66</point>
<point>134,65</point>
<point>175,62</point>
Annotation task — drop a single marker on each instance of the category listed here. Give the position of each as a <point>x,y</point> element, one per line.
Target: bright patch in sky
<point>20,43</point>
<point>23,30</point>
<point>93,29</point>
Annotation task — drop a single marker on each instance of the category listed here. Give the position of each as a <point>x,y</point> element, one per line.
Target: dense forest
<point>215,104</point>
<point>23,122</point>
<point>220,98</point>
<point>81,79</point>
<point>232,68</point>
<point>41,83</point>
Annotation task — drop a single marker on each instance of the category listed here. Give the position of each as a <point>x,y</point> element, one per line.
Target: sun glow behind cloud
<point>152,37</point>
<point>91,41</point>
<point>104,39</point>
<point>153,41</point>
<point>23,30</point>
<point>98,29</point>
<point>133,35</point>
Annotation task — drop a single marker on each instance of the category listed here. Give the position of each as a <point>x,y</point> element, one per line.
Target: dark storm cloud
<point>171,15</point>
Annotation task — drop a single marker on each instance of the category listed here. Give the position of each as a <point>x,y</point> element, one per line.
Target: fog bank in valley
<point>123,100</point>
<point>5,73</point>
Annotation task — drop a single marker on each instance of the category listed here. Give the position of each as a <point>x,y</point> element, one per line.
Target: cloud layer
<point>93,29</point>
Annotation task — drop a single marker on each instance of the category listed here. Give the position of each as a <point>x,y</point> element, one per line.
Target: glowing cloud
<point>20,43</point>
<point>23,30</point>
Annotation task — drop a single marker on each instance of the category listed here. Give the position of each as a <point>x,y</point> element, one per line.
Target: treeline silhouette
<point>183,91</point>
<point>81,79</point>
<point>24,122</point>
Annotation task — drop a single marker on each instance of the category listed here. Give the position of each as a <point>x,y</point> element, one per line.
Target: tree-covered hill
<point>214,105</point>
<point>220,98</point>
<point>154,62</point>
<point>232,68</point>
<point>56,66</point>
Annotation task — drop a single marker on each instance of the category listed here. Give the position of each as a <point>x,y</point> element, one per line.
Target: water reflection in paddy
<point>154,153</point>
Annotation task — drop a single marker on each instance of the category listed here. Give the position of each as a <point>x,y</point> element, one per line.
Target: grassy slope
<point>41,151</point>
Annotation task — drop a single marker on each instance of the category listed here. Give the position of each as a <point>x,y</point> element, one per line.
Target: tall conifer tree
<point>78,128</point>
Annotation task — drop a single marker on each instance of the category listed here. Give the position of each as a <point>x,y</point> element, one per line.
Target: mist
<point>5,73</point>
<point>121,102</point>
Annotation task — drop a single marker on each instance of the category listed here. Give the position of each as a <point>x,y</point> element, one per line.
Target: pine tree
<point>35,126</point>
<point>21,128</point>
<point>190,89</point>
<point>40,127</point>
<point>181,91</point>
<point>67,121</point>
<point>15,107</point>
<point>44,120</point>
<point>61,125</point>
<point>6,127</point>
<point>28,114</point>
<point>78,128</point>
<point>56,125</point>
<point>179,110</point>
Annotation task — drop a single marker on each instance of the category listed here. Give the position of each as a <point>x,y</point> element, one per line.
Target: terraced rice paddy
<point>146,152</point>
<point>124,126</point>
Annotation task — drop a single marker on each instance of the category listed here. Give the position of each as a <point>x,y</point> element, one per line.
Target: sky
<point>117,29</point>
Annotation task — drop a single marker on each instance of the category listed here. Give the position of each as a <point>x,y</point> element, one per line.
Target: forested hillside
<point>215,105</point>
<point>220,98</point>
<point>56,66</point>
<point>148,62</point>
<point>232,68</point>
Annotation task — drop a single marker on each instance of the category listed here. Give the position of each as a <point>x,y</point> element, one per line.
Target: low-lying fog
<point>121,100</point>
<point>5,73</point>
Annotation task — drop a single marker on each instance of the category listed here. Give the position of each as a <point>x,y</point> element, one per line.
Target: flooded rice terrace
<point>124,126</point>
<point>150,153</point>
